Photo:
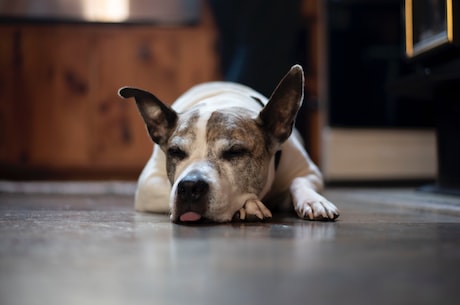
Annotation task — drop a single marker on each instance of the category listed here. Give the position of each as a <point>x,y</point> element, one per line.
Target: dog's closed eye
<point>235,152</point>
<point>177,154</point>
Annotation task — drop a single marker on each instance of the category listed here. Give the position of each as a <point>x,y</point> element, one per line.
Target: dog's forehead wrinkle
<point>234,127</point>
<point>230,121</point>
<point>225,142</point>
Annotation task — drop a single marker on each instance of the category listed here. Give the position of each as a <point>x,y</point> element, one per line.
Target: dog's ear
<point>159,118</point>
<point>278,116</point>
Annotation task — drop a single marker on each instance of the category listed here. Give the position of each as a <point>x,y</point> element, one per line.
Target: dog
<point>224,152</point>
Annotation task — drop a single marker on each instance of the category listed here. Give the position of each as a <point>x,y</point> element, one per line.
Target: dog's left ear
<point>278,116</point>
<point>159,118</point>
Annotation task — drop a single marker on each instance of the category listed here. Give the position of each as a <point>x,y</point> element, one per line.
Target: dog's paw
<point>253,210</point>
<point>318,208</point>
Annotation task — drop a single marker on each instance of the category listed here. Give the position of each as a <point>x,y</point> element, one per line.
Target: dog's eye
<point>176,153</point>
<point>234,153</point>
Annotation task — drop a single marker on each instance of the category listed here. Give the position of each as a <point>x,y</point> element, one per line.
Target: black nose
<point>192,187</point>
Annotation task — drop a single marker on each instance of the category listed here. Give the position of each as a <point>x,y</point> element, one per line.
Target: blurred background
<point>378,78</point>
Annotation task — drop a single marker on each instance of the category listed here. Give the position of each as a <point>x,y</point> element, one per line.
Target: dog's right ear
<point>278,116</point>
<point>159,118</point>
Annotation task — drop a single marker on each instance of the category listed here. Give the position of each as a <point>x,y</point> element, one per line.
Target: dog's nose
<point>192,187</point>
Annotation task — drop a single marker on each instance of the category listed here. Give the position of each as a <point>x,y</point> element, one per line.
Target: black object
<point>365,56</point>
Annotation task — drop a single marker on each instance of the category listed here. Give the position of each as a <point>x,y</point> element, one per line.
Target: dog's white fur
<point>296,179</point>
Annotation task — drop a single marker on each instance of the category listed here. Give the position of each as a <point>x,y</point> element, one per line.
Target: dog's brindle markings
<point>216,153</point>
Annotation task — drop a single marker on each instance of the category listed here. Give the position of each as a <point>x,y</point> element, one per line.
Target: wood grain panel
<point>59,110</point>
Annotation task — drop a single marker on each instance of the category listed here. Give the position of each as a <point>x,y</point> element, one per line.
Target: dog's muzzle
<point>192,197</point>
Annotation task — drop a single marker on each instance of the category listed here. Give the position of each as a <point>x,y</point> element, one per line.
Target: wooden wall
<point>60,115</point>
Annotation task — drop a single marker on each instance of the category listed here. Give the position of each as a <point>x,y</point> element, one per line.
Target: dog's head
<point>216,159</point>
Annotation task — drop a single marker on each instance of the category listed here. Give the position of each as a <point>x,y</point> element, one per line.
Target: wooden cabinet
<point>60,116</point>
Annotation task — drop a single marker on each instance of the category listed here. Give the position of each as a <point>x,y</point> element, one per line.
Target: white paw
<point>253,210</point>
<point>318,208</point>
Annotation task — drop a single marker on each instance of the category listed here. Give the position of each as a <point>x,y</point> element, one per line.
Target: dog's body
<point>222,149</point>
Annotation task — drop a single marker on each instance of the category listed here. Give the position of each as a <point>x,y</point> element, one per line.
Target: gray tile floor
<point>70,248</point>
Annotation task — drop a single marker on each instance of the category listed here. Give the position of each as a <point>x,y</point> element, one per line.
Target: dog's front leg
<point>153,187</point>
<point>308,204</point>
<point>252,210</point>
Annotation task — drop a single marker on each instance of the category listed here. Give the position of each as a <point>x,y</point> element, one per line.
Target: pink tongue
<point>190,216</point>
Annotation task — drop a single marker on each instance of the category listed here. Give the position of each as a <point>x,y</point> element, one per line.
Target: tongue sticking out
<point>190,216</point>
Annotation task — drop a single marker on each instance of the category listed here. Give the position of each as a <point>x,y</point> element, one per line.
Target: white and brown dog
<point>225,152</point>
